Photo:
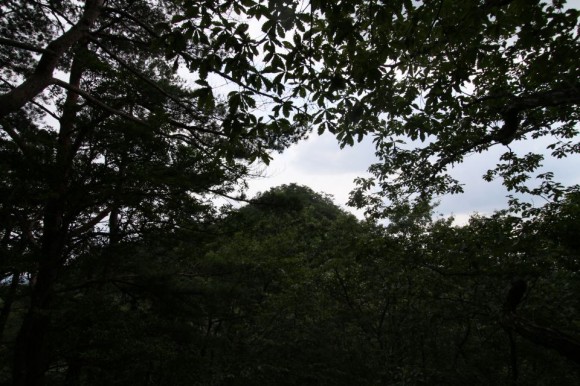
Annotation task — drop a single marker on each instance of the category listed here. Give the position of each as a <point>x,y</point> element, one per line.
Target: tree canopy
<point>122,147</point>
<point>290,290</point>
<point>116,135</point>
<point>452,78</point>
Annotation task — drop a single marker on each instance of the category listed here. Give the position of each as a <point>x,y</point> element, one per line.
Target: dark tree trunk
<point>32,352</point>
<point>564,344</point>
<point>8,301</point>
<point>73,373</point>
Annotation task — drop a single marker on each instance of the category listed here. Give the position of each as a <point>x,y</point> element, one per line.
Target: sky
<point>319,163</point>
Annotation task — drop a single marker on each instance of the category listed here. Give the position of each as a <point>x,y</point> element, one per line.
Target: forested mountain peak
<point>296,198</point>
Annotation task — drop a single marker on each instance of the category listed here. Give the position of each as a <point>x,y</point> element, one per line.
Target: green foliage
<point>130,276</point>
<point>124,147</point>
<point>435,81</point>
<point>235,302</point>
<point>289,289</point>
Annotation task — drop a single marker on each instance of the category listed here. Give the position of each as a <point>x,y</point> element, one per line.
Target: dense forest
<point>122,122</point>
<point>292,290</point>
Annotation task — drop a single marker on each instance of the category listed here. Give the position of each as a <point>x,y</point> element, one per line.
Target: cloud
<point>320,164</point>
<point>322,155</point>
<point>486,197</point>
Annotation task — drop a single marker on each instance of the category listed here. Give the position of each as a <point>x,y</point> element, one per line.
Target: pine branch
<point>42,76</point>
<point>25,46</point>
<point>92,222</point>
<point>97,102</point>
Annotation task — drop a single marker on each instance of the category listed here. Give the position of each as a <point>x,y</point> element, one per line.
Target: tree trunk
<point>564,344</point>
<point>8,300</point>
<point>31,353</point>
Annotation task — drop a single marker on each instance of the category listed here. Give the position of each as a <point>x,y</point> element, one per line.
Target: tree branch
<point>134,19</point>
<point>92,222</point>
<point>97,102</point>
<point>558,97</point>
<point>137,73</point>
<point>43,108</point>
<point>24,46</point>
<point>130,117</point>
<point>187,56</point>
<point>16,138</point>
<point>489,139</point>
<point>143,44</point>
<point>42,76</point>
<point>564,344</point>
<point>148,81</point>
<point>496,3</point>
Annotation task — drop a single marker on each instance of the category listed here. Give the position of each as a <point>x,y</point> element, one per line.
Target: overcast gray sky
<point>320,164</point>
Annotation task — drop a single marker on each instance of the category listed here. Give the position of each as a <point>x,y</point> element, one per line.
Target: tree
<point>285,333</point>
<point>455,79</point>
<point>119,149</point>
<point>420,302</point>
<point>509,287</point>
<point>242,300</point>
<point>126,150</point>
<point>290,289</point>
